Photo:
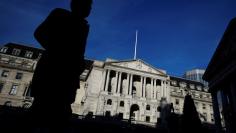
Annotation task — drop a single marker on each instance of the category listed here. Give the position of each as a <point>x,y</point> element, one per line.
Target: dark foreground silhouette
<point>63,35</point>
<point>190,121</point>
<point>13,119</point>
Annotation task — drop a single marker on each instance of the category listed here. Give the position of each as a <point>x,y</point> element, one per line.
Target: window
<point>28,54</point>
<point>7,103</point>
<point>121,103</point>
<point>174,83</point>
<point>108,114</point>
<point>5,73</point>
<point>203,106</point>
<point>13,90</point>
<point>120,116</point>
<point>147,118</point>
<point>109,102</point>
<point>16,52</point>
<point>191,86</point>
<point>200,96</point>
<point>158,82</point>
<point>3,50</point>
<point>1,87</point>
<point>148,107</point>
<point>19,75</point>
<point>177,101</point>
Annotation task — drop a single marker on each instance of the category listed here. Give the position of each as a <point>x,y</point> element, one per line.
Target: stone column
<point>226,110</point>
<point>119,82</point>
<point>104,80</point>
<point>130,84</point>
<point>141,87</point>
<point>162,88</point>
<point>216,112</point>
<point>114,91</point>
<point>107,80</point>
<point>127,85</point>
<point>155,88</point>
<point>144,87</point>
<point>152,88</point>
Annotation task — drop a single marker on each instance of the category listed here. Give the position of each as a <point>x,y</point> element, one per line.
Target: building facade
<point>115,88</point>
<point>179,87</point>
<point>123,89</point>
<point>17,64</point>
<point>220,74</point>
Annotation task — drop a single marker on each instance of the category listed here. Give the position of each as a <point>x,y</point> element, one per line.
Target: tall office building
<point>196,75</point>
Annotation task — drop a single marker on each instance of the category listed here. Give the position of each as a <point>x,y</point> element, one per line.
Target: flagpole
<point>136,42</point>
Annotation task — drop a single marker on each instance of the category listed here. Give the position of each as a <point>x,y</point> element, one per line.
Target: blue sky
<point>174,35</point>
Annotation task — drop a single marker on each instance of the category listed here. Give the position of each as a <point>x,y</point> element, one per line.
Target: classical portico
<point>133,82</point>
<point>122,81</point>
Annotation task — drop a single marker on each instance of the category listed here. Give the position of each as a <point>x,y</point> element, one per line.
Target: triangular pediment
<point>139,65</point>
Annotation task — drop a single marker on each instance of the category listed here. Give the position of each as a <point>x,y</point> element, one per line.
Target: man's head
<point>81,8</point>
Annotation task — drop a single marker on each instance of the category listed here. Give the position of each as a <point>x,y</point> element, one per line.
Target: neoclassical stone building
<point>116,87</point>
<point>124,89</point>
<point>135,88</point>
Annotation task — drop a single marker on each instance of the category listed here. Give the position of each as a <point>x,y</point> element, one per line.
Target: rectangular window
<point>122,103</point>
<point>1,87</point>
<point>13,90</point>
<point>5,73</point>
<point>200,96</point>
<point>120,116</point>
<point>3,50</point>
<point>28,54</point>
<point>19,75</point>
<point>147,118</point>
<point>177,101</point>
<point>16,52</point>
<point>203,106</point>
<point>107,114</point>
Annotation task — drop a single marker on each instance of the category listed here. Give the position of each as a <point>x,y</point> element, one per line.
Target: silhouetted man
<point>63,35</point>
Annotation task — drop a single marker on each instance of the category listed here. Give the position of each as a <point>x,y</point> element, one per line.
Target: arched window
<point>148,107</point>
<point>109,102</point>
<point>7,103</point>
<point>122,103</point>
